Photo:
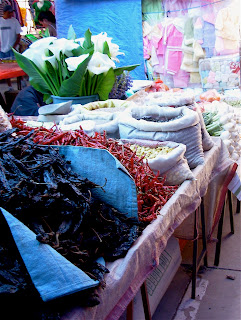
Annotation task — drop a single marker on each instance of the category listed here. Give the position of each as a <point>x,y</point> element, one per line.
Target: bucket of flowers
<point>73,67</point>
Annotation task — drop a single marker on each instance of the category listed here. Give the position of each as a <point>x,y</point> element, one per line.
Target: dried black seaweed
<point>39,188</point>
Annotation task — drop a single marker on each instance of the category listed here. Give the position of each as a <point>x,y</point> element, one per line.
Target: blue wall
<point>120,19</point>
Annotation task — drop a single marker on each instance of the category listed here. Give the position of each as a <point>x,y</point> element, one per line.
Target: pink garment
<point>146,48</point>
<point>159,68</point>
<point>173,39</point>
<point>172,36</point>
<point>209,17</point>
<point>181,79</point>
<point>173,60</point>
<point>154,41</point>
<point>161,46</point>
<point>170,47</point>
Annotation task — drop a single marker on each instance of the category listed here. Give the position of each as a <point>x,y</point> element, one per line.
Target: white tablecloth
<point>127,274</point>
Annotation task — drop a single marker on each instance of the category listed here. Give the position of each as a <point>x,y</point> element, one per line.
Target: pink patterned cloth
<point>170,48</point>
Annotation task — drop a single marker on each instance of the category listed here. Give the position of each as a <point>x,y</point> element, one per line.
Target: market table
<point>128,274</point>
<point>10,70</point>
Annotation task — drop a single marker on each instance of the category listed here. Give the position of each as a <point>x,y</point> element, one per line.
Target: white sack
<point>173,164</point>
<point>179,125</point>
<point>170,98</point>
<point>5,124</point>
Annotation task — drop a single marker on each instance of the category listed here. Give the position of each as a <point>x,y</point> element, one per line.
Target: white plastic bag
<point>103,114</point>
<point>173,165</point>
<point>179,125</point>
<point>5,124</point>
<point>170,98</point>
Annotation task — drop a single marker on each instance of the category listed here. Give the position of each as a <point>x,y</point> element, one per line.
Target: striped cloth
<point>235,184</point>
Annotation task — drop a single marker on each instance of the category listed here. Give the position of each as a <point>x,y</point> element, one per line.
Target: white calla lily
<point>52,60</point>
<point>99,40</point>
<point>63,45</point>
<point>73,62</point>
<point>114,51</point>
<point>80,41</point>
<point>36,56</point>
<point>66,79</point>
<point>42,43</point>
<point>100,63</point>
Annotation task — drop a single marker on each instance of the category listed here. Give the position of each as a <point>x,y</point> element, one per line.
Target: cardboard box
<point>160,278</point>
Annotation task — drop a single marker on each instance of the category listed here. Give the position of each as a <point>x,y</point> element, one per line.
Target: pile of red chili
<point>152,194</point>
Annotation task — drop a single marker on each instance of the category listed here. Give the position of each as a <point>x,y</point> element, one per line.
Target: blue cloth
<point>27,102</point>
<point>206,33</point>
<point>102,168</point>
<point>52,274</point>
<point>7,55</point>
<point>120,19</point>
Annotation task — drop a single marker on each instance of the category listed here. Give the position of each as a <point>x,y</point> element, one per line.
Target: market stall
<point>127,274</point>
<point>150,160</point>
<point>124,279</point>
<point>10,70</point>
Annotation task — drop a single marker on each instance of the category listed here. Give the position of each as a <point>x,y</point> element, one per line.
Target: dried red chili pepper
<point>152,194</point>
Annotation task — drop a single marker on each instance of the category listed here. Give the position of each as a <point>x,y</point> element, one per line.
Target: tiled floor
<point>218,295</point>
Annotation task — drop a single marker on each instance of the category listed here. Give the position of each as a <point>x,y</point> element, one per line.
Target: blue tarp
<point>102,168</point>
<point>52,274</point>
<point>120,19</point>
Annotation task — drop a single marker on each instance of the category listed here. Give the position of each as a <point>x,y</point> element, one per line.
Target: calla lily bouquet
<point>72,67</point>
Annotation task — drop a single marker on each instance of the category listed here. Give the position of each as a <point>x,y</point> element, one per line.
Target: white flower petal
<point>99,40</point>
<point>52,60</point>
<point>62,45</point>
<point>43,42</point>
<point>100,63</point>
<point>73,62</point>
<point>36,56</point>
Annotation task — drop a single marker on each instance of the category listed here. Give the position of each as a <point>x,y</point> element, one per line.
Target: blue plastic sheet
<point>52,274</point>
<point>120,19</point>
<point>102,168</point>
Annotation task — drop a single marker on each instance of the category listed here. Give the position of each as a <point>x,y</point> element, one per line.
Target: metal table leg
<point>145,301</point>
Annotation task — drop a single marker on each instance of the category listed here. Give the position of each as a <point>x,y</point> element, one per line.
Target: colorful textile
<point>204,33</point>
<point>46,7</point>
<point>227,23</point>
<point>181,79</point>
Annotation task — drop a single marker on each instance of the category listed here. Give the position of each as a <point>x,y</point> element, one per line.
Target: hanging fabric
<point>15,6</point>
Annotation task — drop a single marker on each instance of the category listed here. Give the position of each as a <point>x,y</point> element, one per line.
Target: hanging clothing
<point>45,7</point>
<point>192,52</point>
<point>169,48</point>
<point>204,33</point>
<point>152,11</point>
<point>227,30</point>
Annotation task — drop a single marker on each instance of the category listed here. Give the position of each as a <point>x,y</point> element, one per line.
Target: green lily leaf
<point>64,72</point>
<point>88,46</point>
<point>79,51</point>
<point>118,71</point>
<point>105,84</point>
<point>52,73</point>
<point>71,33</point>
<point>36,78</point>
<point>87,42</point>
<point>72,87</point>
<point>47,98</point>
<point>106,49</point>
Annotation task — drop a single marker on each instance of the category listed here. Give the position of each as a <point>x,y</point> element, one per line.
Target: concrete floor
<point>218,293</point>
